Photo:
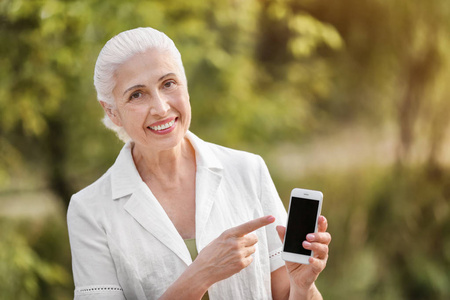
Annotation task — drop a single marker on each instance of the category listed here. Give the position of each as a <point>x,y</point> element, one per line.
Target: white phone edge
<point>307,194</point>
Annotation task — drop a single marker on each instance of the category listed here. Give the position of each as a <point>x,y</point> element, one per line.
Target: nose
<point>159,105</point>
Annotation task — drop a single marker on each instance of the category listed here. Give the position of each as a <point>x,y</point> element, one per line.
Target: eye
<point>135,95</point>
<point>169,84</point>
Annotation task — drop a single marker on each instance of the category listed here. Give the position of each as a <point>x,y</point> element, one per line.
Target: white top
<point>124,245</point>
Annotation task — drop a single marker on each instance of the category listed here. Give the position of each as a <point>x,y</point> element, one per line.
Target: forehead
<point>146,67</point>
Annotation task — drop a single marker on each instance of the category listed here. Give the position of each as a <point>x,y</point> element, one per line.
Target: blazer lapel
<point>147,211</point>
<point>207,183</point>
<point>206,186</point>
<point>143,206</point>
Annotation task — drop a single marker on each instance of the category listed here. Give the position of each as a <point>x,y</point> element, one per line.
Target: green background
<point>349,97</point>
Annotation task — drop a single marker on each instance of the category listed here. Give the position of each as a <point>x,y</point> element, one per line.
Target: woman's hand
<point>231,251</point>
<point>226,255</point>
<point>302,277</point>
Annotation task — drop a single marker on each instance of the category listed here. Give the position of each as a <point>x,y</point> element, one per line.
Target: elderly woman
<point>176,217</point>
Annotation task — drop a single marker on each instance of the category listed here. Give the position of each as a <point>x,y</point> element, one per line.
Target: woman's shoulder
<point>94,193</point>
<point>238,163</point>
<point>201,144</point>
<point>102,189</point>
<point>234,154</point>
<point>226,156</point>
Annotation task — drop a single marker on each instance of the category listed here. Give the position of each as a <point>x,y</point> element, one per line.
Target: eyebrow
<point>142,85</point>
<point>167,75</point>
<point>133,87</point>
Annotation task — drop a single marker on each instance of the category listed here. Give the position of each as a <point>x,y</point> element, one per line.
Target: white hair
<point>117,51</point>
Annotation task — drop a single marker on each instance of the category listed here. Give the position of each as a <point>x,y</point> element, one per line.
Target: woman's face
<point>152,100</point>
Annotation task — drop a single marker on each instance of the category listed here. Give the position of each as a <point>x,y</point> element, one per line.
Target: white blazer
<point>124,245</point>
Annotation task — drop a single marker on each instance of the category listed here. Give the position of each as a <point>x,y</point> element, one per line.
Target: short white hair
<point>118,50</point>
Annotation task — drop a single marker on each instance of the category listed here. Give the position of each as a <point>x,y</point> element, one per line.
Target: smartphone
<point>303,215</point>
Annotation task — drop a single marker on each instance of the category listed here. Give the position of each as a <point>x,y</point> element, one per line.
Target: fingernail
<point>310,237</point>
<point>306,244</point>
<point>270,218</point>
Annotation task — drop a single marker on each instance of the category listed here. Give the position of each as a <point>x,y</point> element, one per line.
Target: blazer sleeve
<point>272,205</point>
<point>93,267</point>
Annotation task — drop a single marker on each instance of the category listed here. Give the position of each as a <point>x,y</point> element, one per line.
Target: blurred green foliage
<point>390,233</point>
<point>262,74</point>
<point>31,265</point>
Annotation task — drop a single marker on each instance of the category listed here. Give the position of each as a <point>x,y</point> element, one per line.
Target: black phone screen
<point>302,220</point>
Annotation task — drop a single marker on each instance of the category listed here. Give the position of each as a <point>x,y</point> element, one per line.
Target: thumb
<point>281,232</point>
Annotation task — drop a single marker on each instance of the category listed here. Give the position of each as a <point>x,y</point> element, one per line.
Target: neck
<point>165,166</point>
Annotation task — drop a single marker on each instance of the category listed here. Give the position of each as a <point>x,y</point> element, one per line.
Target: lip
<point>165,121</point>
<point>162,122</point>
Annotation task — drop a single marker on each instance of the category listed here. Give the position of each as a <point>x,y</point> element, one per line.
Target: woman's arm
<point>93,268</point>
<point>192,284</point>
<point>297,281</point>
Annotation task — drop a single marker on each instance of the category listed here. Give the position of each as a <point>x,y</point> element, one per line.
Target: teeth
<point>164,126</point>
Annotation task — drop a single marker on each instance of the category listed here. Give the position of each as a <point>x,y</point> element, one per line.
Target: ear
<point>112,113</point>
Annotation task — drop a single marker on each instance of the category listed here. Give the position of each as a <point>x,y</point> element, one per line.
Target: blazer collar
<point>204,155</point>
<point>125,178</point>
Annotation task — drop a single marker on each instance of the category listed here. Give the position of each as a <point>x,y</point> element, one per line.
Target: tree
<point>51,48</point>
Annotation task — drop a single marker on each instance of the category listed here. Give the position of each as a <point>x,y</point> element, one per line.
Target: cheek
<point>180,103</point>
<point>187,110</point>
<point>133,116</point>
<point>186,104</point>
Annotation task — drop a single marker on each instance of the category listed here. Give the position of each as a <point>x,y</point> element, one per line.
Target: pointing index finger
<point>250,226</point>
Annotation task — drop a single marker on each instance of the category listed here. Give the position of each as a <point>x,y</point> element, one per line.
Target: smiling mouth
<point>163,126</point>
